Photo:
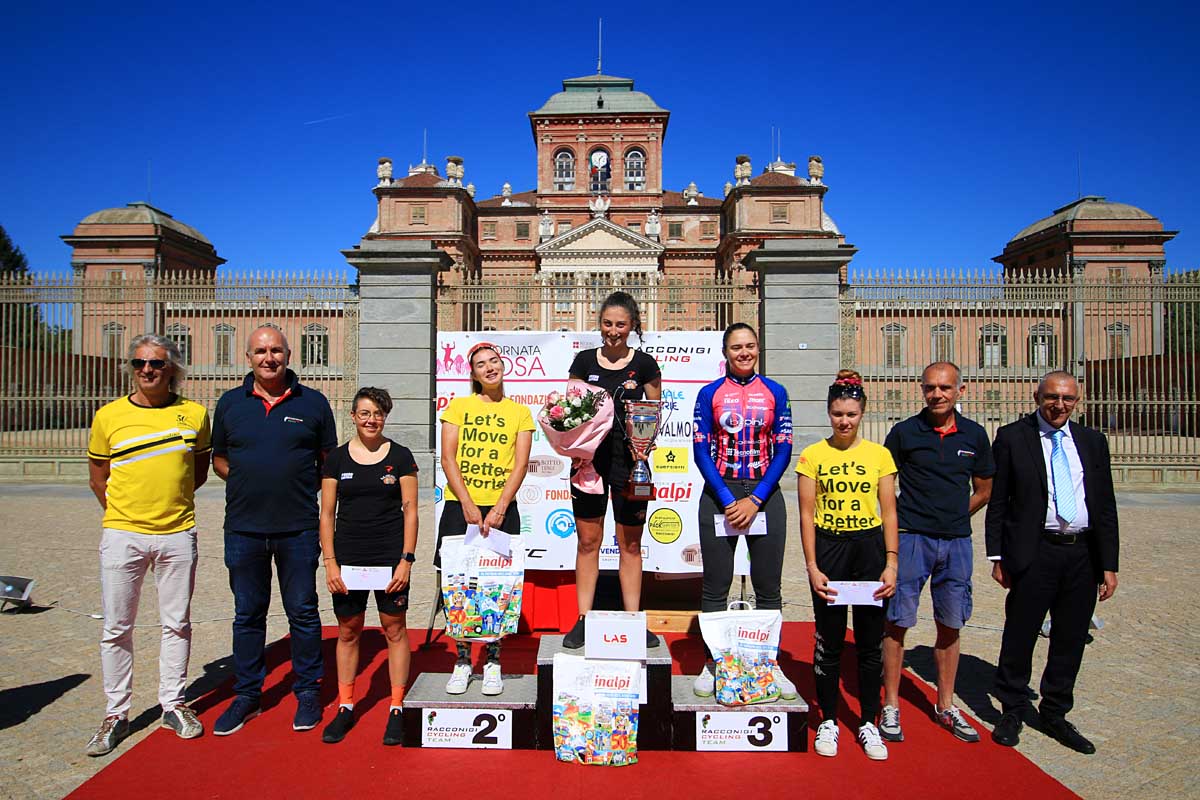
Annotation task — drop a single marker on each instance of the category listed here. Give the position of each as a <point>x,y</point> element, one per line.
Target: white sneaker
<point>459,679</point>
<point>493,684</point>
<point>705,683</point>
<point>787,689</point>
<point>873,746</point>
<point>827,738</point>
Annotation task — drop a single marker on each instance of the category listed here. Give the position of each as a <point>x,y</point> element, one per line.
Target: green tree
<point>1182,312</point>
<point>12,261</point>
<point>22,324</point>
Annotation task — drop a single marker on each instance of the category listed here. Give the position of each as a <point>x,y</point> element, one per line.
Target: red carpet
<point>267,759</point>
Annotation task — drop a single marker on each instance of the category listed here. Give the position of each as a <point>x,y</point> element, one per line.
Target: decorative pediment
<point>600,237</point>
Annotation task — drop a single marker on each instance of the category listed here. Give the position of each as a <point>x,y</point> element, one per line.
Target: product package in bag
<point>744,644</point>
<point>481,589</point>
<point>595,710</point>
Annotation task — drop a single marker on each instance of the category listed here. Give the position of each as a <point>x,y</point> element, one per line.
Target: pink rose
<point>574,392</point>
<point>557,413</point>
<point>552,398</point>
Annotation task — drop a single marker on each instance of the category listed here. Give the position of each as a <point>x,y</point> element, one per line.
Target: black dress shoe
<point>1008,730</point>
<point>1067,734</point>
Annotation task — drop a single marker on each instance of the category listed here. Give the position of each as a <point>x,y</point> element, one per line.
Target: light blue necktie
<point>1064,489</point>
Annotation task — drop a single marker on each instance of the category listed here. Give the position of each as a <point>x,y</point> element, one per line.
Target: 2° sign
<point>466,728</point>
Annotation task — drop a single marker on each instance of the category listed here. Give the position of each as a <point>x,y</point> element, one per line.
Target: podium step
<point>472,720</point>
<point>701,723</point>
<point>654,717</point>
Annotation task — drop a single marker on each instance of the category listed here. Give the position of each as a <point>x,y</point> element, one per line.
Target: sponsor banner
<point>536,364</point>
<point>470,728</point>
<point>748,731</point>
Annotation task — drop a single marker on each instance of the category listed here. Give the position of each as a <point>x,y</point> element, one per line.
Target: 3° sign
<point>751,731</point>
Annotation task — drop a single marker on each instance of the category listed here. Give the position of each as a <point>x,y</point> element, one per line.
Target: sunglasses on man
<point>155,363</point>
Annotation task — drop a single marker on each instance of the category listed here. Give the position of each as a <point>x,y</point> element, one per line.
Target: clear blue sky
<point>944,128</point>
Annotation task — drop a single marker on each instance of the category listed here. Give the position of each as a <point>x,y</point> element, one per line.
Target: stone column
<point>397,337</point>
<point>799,324</point>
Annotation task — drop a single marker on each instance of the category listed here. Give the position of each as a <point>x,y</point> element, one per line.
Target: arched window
<point>1118,339</point>
<point>635,170</point>
<point>314,346</point>
<point>993,345</point>
<point>564,171</point>
<point>599,169</point>
<point>182,335</point>
<point>1043,346</point>
<point>112,343</point>
<point>941,342</point>
<point>893,344</point>
<point>224,344</point>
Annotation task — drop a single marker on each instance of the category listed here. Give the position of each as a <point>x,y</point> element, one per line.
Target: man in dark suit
<point>1052,537</point>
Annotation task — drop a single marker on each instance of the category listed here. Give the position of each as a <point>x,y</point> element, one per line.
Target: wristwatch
<point>409,557</point>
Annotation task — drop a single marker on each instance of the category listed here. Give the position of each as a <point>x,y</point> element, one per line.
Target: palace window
<point>1117,290</point>
<point>941,342</point>
<point>314,346</point>
<point>114,279</point>
<point>635,170</point>
<point>993,345</point>
<point>1118,339</point>
<point>893,344</point>
<point>634,225</point>
<point>564,171</point>
<point>488,230</point>
<point>708,230</point>
<point>1043,348</point>
<point>223,344</point>
<point>181,335</point>
<point>112,336</point>
<point>599,170</point>
<point>416,215</point>
<point>674,230</point>
<point>522,230</point>
<point>779,212</point>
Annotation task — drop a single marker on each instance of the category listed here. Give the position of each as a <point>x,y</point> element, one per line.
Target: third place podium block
<point>703,724</point>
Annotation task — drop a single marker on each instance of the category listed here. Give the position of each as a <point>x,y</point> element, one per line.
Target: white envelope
<point>366,577</point>
<point>855,593</point>
<point>497,540</point>
<point>758,526</point>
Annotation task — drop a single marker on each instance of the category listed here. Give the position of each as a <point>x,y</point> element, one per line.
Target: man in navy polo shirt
<point>945,468</point>
<point>270,436</point>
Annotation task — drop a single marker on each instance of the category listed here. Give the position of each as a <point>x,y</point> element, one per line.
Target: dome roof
<point>1091,207</point>
<point>142,214</point>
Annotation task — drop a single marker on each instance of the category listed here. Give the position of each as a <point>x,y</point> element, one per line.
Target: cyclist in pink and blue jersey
<point>742,444</point>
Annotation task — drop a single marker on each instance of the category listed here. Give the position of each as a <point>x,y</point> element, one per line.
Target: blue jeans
<point>248,557</point>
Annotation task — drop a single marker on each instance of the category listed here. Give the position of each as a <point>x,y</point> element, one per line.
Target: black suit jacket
<point>1016,513</point>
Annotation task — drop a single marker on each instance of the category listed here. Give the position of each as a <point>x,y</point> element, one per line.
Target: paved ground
<point>1134,695</point>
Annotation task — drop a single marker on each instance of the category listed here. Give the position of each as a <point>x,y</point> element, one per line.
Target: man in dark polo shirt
<point>945,468</point>
<point>270,436</point>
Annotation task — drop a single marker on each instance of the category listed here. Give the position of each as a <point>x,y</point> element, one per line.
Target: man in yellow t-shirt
<point>147,454</point>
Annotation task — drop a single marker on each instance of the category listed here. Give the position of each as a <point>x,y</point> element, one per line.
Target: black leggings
<point>854,556</point>
<point>766,552</point>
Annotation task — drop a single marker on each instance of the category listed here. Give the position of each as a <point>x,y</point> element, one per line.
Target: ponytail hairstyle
<point>847,384</point>
<point>625,300</point>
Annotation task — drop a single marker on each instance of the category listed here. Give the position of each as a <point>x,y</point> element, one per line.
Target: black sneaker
<point>651,638</point>
<point>336,731</point>
<point>394,733</point>
<point>574,638</point>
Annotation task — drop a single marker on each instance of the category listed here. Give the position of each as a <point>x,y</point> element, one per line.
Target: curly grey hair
<point>174,355</point>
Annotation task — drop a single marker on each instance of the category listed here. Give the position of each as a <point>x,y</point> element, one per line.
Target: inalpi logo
<point>617,682</point>
<point>753,634</point>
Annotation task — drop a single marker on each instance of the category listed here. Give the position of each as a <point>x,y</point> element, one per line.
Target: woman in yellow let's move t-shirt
<point>847,491</point>
<point>486,439</point>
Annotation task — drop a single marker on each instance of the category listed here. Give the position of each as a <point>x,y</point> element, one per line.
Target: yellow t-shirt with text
<point>847,483</point>
<point>487,443</point>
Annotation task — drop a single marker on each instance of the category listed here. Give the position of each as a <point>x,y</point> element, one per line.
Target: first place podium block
<point>473,720</point>
<point>654,717</point>
<point>702,724</point>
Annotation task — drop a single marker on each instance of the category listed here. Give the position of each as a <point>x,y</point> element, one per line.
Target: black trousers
<point>857,556</point>
<point>1062,581</point>
<point>766,552</point>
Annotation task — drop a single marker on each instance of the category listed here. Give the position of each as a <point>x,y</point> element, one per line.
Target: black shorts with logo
<point>354,602</point>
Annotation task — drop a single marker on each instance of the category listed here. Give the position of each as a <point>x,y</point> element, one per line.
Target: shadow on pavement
<point>22,702</point>
<point>974,683</point>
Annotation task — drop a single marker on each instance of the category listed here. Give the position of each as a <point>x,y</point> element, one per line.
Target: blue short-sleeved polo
<point>273,455</point>
<point>935,472</point>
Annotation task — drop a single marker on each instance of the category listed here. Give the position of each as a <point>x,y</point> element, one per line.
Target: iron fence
<point>63,342</point>
<point>1132,341</point>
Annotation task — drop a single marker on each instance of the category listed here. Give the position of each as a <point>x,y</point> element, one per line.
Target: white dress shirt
<point>1053,521</point>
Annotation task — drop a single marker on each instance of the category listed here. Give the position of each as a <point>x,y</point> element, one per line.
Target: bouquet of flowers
<point>575,424</point>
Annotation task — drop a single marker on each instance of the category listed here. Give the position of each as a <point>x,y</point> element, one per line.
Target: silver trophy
<point>643,418</point>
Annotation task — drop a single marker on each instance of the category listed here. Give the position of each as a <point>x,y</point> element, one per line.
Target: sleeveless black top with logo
<point>370,511</point>
<point>613,459</point>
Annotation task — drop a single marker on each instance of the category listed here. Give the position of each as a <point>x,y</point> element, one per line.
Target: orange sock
<point>346,693</point>
<point>398,696</point>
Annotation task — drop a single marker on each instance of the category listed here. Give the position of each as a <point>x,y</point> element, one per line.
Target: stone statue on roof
<point>384,171</point>
<point>816,169</point>
<point>598,205</point>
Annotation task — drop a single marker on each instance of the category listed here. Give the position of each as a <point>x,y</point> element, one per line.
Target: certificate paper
<point>366,577</point>
<point>497,540</point>
<point>758,526</point>
<point>855,593</point>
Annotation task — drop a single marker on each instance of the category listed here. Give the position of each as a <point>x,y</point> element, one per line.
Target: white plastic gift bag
<point>745,645</point>
<point>595,710</point>
<point>481,589</point>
